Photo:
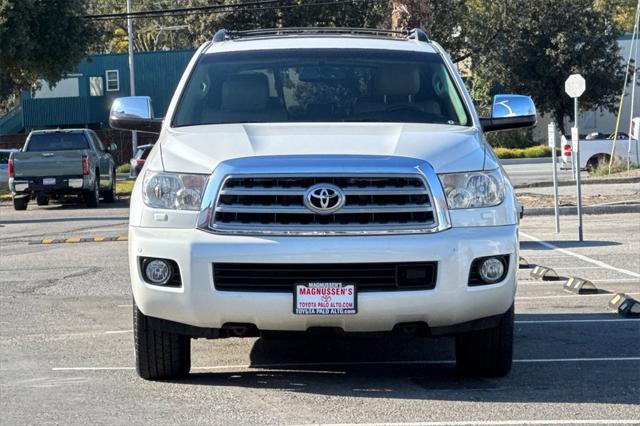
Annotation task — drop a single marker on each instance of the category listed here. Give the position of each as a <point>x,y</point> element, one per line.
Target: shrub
<point>618,166</point>
<point>124,168</point>
<point>531,152</point>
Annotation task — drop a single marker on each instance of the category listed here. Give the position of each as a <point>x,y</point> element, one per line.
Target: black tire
<point>600,160</point>
<point>42,200</point>
<point>92,196</point>
<point>20,203</point>
<point>159,355</point>
<point>486,353</point>
<point>109,196</point>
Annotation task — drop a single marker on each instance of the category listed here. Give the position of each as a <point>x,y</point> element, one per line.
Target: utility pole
<point>132,74</point>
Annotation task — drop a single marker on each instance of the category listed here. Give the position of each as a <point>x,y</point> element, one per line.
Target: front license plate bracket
<point>325,298</point>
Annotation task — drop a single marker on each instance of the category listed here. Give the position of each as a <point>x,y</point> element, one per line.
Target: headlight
<point>474,189</point>
<point>173,191</point>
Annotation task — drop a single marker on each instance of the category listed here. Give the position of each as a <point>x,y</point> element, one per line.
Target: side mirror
<point>510,112</point>
<point>112,147</point>
<point>134,113</point>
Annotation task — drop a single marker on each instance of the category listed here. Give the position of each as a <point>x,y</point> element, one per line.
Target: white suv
<point>322,180</point>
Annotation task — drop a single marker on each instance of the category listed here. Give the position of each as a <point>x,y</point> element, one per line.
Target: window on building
<point>113,80</point>
<point>96,86</point>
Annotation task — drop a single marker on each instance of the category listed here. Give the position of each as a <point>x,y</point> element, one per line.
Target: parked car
<point>55,163</point>
<point>322,180</point>
<point>595,152</point>
<point>4,172</point>
<point>137,162</point>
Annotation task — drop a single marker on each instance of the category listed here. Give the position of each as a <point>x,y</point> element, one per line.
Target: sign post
<point>552,144</point>
<point>575,86</point>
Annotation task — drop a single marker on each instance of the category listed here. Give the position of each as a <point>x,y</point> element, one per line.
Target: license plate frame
<point>347,304</point>
<point>49,181</point>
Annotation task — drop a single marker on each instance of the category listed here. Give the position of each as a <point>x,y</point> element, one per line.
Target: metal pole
<point>578,189</point>
<point>552,144</point>
<point>633,95</point>
<point>132,78</point>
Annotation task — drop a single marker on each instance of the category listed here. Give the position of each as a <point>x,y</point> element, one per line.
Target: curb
<point>572,210</point>
<point>74,240</point>
<point>604,181</point>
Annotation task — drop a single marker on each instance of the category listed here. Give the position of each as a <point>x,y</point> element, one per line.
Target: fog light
<point>158,272</point>
<point>491,270</point>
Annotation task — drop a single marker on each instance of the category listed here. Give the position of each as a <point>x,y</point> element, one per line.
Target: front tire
<point>92,196</point>
<point>486,353</point>
<point>160,355</point>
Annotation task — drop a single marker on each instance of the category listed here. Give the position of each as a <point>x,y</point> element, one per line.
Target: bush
<point>124,168</point>
<point>531,152</point>
<point>618,166</point>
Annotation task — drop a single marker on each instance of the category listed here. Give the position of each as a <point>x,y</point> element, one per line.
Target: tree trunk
<point>409,14</point>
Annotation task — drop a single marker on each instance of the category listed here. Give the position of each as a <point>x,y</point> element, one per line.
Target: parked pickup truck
<point>322,181</point>
<point>595,151</point>
<point>54,163</point>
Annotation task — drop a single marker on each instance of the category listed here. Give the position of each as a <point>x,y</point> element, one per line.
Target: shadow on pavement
<point>533,245</point>
<point>422,368</point>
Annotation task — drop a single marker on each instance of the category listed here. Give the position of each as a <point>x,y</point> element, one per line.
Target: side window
<point>113,80</point>
<point>96,142</point>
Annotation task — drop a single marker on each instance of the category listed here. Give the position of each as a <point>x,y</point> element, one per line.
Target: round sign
<point>575,85</point>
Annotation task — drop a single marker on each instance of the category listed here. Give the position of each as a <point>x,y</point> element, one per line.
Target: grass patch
<point>618,167</point>
<point>124,187</point>
<point>124,168</point>
<point>537,151</point>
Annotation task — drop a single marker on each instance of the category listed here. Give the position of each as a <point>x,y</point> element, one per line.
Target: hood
<point>199,149</point>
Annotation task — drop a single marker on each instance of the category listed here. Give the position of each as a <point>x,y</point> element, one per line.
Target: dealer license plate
<point>49,181</point>
<point>325,298</point>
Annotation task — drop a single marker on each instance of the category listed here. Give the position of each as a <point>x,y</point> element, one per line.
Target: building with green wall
<point>83,98</point>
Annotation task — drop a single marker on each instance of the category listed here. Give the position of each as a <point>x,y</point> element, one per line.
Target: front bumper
<point>198,303</point>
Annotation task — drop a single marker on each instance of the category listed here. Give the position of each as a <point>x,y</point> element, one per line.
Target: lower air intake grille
<point>259,277</point>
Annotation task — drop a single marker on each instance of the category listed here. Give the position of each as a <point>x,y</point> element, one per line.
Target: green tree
<point>39,39</point>
<point>545,42</point>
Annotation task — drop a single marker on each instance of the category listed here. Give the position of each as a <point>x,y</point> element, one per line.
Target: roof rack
<point>414,34</point>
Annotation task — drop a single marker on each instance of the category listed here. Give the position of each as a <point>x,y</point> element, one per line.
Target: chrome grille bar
<point>270,204</point>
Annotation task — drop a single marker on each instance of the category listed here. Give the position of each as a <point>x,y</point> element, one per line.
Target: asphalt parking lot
<point>67,353</point>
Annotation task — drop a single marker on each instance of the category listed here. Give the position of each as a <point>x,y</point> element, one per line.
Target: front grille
<point>282,277</point>
<point>276,204</point>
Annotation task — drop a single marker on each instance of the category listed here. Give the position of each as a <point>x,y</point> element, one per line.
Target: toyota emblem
<point>324,198</point>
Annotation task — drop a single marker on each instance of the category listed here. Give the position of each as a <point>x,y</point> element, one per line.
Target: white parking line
<point>501,423</point>
<point>596,281</point>
<point>570,321</point>
<point>580,256</point>
<point>360,363</point>
<point>560,296</point>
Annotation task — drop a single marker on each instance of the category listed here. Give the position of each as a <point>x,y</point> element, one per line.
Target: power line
<point>237,7</point>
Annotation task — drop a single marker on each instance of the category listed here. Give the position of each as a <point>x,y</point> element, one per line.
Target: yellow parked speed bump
<point>523,263</point>
<point>625,305</point>
<point>74,240</point>
<point>580,286</point>
<point>544,273</point>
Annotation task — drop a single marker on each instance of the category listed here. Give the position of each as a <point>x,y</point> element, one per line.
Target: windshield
<point>57,142</point>
<point>327,85</point>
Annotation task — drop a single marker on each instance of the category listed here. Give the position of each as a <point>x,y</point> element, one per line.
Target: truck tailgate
<point>48,164</point>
